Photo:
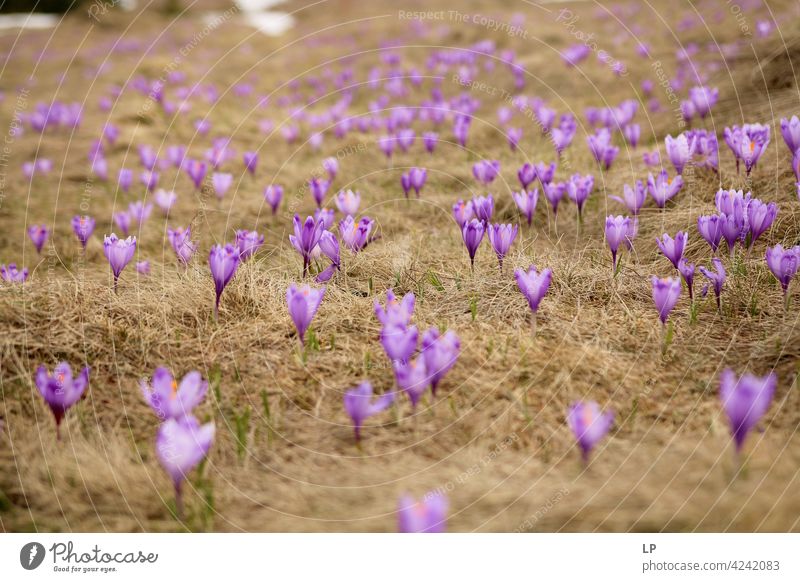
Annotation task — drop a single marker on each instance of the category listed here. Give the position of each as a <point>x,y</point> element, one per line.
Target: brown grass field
<point>496,439</point>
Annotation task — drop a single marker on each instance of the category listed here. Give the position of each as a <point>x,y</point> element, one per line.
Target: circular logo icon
<point>31,555</point>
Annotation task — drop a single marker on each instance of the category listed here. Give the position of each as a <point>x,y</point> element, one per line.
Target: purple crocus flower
<point>545,172</point>
<point>348,202</point>
<point>483,207</point>
<point>784,264</point>
<point>463,212</point>
<point>119,253</point>
<point>319,188</point>
<point>554,192</point>
<point>429,139</point>
<point>168,399</point>
<point>632,133</point>
<point>526,202</point>
<point>710,228</point>
<point>248,242</point>
<point>196,170</point>
<point>223,262</point>
<point>396,312</point>
<point>412,378</point>
<point>745,400</point>
<point>601,148</point>
<point>331,165</point>
<point>703,99</point>
<point>180,446</point>
<point>143,267</point>
<point>149,179</point>
<point>533,285</point>
<point>83,227</point>
<point>398,340</point>
<point>250,161</point>
<point>417,178</point>
<point>579,188</point>
<point>139,211</point>
<point>759,218</point>
<point>387,143</point>
<point>502,237</point>
<point>329,246</point>
<point>325,216</point>
<point>666,293</point>
<point>38,233</point>
<point>716,278</point>
<point>60,391</point>
<point>426,516</point>
<point>165,199</point>
<point>678,151</point>
<point>181,241</point>
<point>221,183</point>
<point>359,405</point>
<point>440,352</point>
<point>303,303</point>
<point>589,424</point>
<point>405,183</point>
<point>686,269</point>
<point>526,175</point>
<point>633,198</point>
<point>617,231</point>
<point>672,248</point>
<point>273,194</point>
<point>485,171</point>
<point>306,237</point>
<point>11,274</point>
<point>663,188</point>
<point>355,235</point>
<point>790,130</point>
<point>125,179</point>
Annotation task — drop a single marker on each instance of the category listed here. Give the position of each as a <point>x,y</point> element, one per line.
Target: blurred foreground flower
<point>589,424</point>
<point>745,401</point>
<point>426,516</point>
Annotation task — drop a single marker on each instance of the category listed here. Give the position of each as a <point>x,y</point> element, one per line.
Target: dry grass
<point>496,440</point>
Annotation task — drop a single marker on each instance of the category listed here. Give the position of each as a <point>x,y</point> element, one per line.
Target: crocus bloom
<point>429,139</point>
<point>710,228</point>
<point>329,246</point>
<point>165,199</point>
<point>331,165</point>
<point>412,378</point>
<point>554,192</point>
<point>119,253</point>
<point>703,99</point>
<point>663,187</point>
<point>325,216</point>
<point>168,399</point>
<point>11,274</point>
<point>399,341</point>
<point>526,202</point>
<point>273,194</point>
<point>123,221</point>
<point>760,217</point>
<point>38,235</point>
<point>180,446</point>
<point>83,227</point>
<point>305,238</point>
<point>545,172</point>
<point>472,233</point>
<point>579,188</point>
<point>533,285</point>
<point>526,175</point>
<point>248,241</point>
<point>143,267</point>
<point>318,189</point>
<point>355,235</point>
<point>633,198</point>
<point>359,405</point>
<point>426,516</point>
<point>745,400</point>
<point>60,391</point>
<point>221,183</point>
<point>672,248</point>
<point>348,202</point>
<point>632,133</point>
<point>250,161</point>
<point>601,148</point>
<point>396,312</point>
<point>463,212</point>
<point>223,262</point>
<point>440,352</point>
<point>196,170</point>
<point>417,178</point>
<point>784,264</point>
<point>303,303</point>
<point>790,130</point>
<point>678,151</point>
<point>181,241</point>
<point>387,143</point>
<point>589,424</point>
<point>716,277</point>
<point>125,179</point>
<point>139,211</point>
<point>485,171</point>
<point>149,179</point>
<point>617,231</point>
<point>666,293</point>
<point>686,270</point>
<point>502,237</point>
<point>483,207</point>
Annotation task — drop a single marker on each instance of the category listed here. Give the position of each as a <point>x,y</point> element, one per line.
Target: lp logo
<point>31,555</point>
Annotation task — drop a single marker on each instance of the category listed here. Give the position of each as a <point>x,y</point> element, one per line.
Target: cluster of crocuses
<point>415,368</point>
<point>181,442</point>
